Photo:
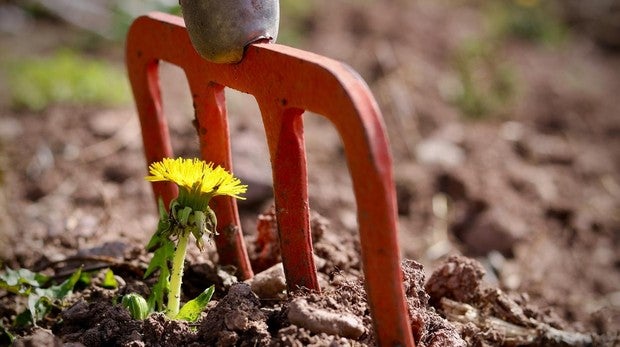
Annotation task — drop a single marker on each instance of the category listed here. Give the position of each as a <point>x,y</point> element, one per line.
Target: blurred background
<point>503,118</point>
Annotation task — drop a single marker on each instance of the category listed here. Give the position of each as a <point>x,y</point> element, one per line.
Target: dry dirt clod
<point>486,316</point>
<point>158,330</point>
<point>428,328</point>
<point>318,320</point>
<point>40,337</point>
<point>540,334</point>
<point>546,149</point>
<point>236,320</point>
<point>436,151</point>
<point>266,246</point>
<point>270,283</point>
<point>495,229</point>
<point>459,278</point>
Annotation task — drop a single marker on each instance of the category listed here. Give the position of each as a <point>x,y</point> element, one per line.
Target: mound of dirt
<point>455,307</point>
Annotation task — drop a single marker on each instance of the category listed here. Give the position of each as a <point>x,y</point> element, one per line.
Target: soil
<point>509,225</point>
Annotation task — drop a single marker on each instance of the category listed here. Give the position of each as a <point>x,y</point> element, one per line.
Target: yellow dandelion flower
<point>198,181</point>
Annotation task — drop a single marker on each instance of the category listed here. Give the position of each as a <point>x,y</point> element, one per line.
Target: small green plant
<point>531,20</point>
<point>294,20</point>
<point>486,83</point>
<point>36,83</point>
<point>109,281</point>
<point>41,297</point>
<point>189,214</point>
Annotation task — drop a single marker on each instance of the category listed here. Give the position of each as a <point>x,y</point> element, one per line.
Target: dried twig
<point>97,262</point>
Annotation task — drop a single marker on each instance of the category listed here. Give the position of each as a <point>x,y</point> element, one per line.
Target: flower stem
<point>176,275</point>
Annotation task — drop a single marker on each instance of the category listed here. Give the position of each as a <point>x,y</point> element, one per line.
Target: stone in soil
<point>318,320</point>
<point>40,337</point>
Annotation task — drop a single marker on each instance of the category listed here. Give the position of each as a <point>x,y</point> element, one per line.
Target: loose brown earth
<point>532,194</point>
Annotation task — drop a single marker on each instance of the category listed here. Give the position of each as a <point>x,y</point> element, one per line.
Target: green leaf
<point>136,305</point>
<point>154,242</point>
<point>86,278</point>
<point>41,300</point>
<point>162,256</point>
<point>66,287</point>
<point>163,228</point>
<point>38,306</point>
<point>6,338</point>
<point>21,281</point>
<point>192,309</point>
<point>23,319</point>
<point>163,213</point>
<point>160,289</point>
<point>109,281</point>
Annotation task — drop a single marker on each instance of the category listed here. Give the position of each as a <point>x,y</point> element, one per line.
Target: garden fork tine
<point>285,82</point>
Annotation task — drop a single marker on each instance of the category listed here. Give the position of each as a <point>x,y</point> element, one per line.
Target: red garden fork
<point>285,82</point>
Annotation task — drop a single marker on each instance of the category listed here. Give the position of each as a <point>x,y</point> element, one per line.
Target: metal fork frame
<point>285,82</point>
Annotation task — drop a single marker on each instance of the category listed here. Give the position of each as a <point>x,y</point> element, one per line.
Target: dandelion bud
<point>136,305</point>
